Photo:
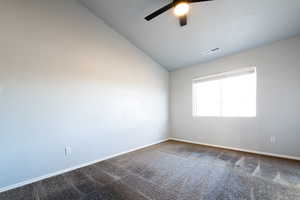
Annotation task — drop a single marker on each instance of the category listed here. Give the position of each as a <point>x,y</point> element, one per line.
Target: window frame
<point>223,75</point>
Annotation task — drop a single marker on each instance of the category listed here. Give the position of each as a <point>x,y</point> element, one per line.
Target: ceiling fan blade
<point>197,1</point>
<point>183,20</point>
<point>159,11</point>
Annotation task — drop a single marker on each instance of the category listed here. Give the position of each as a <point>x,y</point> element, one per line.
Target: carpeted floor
<point>173,171</point>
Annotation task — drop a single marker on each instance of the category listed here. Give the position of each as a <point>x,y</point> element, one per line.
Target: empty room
<point>150,100</point>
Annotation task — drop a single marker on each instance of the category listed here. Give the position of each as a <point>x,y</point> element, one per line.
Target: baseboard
<point>33,180</point>
<point>238,149</point>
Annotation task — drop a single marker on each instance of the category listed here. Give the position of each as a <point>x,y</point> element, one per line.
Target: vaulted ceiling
<point>230,25</point>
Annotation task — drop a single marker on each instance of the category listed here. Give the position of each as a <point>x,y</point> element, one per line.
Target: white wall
<point>278,102</point>
<point>67,79</point>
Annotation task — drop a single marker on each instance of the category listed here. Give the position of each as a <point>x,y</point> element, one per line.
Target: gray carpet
<point>173,171</point>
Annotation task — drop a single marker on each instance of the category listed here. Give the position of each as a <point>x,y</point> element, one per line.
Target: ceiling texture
<point>230,25</point>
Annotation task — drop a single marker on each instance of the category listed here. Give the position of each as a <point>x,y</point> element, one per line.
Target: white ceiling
<point>231,25</point>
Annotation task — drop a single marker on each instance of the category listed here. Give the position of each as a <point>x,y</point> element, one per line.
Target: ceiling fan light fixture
<point>181,9</point>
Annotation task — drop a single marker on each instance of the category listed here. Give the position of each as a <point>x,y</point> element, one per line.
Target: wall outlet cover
<point>68,151</point>
<point>273,139</point>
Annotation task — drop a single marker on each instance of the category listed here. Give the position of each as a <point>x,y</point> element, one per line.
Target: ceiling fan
<point>181,8</point>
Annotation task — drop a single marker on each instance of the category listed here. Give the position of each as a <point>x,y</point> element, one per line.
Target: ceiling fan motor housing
<point>182,15</point>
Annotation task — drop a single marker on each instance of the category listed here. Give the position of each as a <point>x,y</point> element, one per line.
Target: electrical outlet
<point>273,139</point>
<point>68,151</point>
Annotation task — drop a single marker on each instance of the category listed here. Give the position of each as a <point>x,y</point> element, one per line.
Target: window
<point>229,94</point>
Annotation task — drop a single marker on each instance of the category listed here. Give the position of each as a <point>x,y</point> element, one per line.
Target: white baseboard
<point>33,180</point>
<point>238,149</point>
